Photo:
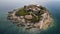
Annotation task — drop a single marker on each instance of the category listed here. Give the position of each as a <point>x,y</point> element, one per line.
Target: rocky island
<point>31,16</point>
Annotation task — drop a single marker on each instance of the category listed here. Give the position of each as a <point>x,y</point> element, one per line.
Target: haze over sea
<point>7,27</point>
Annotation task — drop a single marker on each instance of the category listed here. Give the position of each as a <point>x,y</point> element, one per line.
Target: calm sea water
<point>7,27</point>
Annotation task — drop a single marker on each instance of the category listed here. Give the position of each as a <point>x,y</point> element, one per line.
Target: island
<point>31,16</point>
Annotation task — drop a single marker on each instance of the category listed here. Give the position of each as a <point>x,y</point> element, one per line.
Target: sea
<point>7,27</point>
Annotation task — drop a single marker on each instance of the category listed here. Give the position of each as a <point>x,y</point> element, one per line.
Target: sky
<point>25,1</point>
<point>8,3</point>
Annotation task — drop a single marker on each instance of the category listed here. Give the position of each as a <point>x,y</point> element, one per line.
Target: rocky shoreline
<point>36,17</point>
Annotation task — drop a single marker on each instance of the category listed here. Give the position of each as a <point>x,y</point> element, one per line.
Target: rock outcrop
<point>35,16</point>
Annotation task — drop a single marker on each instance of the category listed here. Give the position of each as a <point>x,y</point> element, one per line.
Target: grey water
<point>7,27</point>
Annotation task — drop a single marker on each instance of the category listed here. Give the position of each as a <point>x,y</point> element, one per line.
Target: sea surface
<point>7,27</point>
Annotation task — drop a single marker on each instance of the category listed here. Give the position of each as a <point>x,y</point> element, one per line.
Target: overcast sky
<point>23,2</point>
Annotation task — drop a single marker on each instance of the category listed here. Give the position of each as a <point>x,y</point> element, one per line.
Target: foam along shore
<point>32,16</point>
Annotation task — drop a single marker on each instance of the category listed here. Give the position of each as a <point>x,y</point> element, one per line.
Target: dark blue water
<point>7,27</point>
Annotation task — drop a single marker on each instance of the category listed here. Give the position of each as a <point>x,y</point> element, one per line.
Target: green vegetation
<point>21,12</point>
<point>34,19</point>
